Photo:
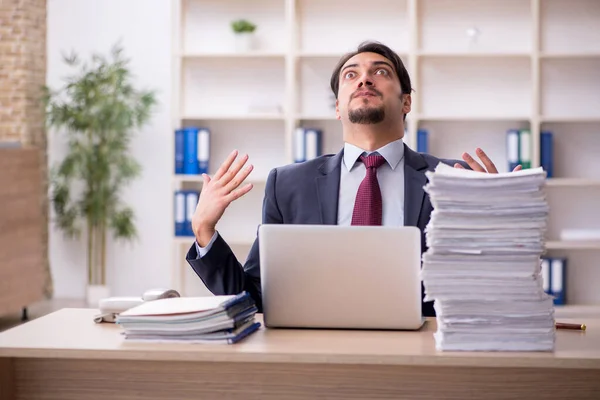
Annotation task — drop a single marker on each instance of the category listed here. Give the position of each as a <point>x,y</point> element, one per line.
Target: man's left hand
<point>475,166</point>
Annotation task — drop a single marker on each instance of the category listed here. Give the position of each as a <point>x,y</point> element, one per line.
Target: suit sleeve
<point>451,162</point>
<point>201,251</point>
<point>221,271</point>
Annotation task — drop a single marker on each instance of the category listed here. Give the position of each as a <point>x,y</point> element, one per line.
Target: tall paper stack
<point>483,264</point>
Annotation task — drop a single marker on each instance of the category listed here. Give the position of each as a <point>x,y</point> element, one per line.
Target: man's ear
<point>337,110</point>
<point>406,103</point>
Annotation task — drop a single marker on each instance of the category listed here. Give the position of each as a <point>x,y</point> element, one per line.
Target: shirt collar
<point>392,152</point>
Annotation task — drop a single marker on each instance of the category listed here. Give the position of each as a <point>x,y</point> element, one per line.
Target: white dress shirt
<point>390,177</point>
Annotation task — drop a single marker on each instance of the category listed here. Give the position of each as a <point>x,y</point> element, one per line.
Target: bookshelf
<point>478,67</point>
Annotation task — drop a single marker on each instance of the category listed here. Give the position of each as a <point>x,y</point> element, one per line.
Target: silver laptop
<point>330,276</point>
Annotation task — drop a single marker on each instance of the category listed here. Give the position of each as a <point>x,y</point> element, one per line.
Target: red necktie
<point>368,206</point>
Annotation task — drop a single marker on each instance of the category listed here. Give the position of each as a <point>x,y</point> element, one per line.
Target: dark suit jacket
<point>307,193</point>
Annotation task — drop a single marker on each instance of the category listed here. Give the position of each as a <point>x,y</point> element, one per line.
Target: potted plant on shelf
<point>98,109</point>
<point>244,34</point>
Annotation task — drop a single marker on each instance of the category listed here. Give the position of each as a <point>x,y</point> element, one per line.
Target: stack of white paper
<point>483,264</point>
<point>209,319</point>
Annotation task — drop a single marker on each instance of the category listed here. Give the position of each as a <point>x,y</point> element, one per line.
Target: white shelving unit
<point>478,68</point>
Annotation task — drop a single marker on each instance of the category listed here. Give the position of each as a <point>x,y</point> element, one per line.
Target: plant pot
<point>95,293</point>
<point>244,42</point>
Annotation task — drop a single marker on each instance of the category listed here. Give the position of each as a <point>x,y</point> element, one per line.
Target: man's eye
<point>349,75</point>
<point>381,71</point>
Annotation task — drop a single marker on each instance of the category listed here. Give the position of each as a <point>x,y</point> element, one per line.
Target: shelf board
<point>443,118</point>
<point>308,54</point>
<point>182,178</point>
<point>336,55</point>
<point>239,117</point>
<point>317,117</point>
<point>573,245</point>
<point>570,119</point>
<point>577,310</point>
<point>558,56</point>
<point>427,54</point>
<point>573,182</point>
<point>216,55</point>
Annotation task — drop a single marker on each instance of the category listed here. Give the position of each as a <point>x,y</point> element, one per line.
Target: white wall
<point>145,29</point>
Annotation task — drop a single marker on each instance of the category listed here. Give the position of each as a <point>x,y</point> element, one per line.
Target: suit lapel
<point>328,187</point>
<point>414,180</point>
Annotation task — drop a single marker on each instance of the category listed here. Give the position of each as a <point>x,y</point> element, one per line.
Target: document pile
<point>210,319</point>
<point>483,264</point>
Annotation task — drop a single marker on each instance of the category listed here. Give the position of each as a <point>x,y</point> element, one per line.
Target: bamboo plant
<point>99,110</point>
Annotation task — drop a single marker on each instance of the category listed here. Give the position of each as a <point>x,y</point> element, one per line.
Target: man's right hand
<point>216,195</point>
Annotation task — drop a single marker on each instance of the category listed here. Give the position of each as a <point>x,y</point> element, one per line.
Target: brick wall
<point>22,75</point>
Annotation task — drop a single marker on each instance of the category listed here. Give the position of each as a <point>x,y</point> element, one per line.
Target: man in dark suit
<point>374,180</point>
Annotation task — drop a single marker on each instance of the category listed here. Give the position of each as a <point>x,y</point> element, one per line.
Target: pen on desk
<point>564,325</point>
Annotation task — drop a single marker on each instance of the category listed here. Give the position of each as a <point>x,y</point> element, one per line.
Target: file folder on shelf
<point>308,144</point>
<point>512,148</point>
<point>191,201</point>
<point>518,148</point>
<point>179,212</point>
<point>422,141</point>
<point>196,150</point>
<point>525,148</point>
<point>179,150</point>
<point>313,141</point>
<point>184,207</point>
<point>554,272</point>
<point>546,275</point>
<point>558,281</point>
<point>203,150</point>
<point>547,153</point>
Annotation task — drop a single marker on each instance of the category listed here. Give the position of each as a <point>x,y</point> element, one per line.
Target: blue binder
<point>558,280</point>
<point>195,150</point>
<point>299,145</point>
<point>554,272</point>
<point>190,166</point>
<point>179,212</point>
<point>179,150</point>
<point>547,153</point>
<point>308,144</point>
<point>545,267</point>
<point>422,141</point>
<point>191,201</point>
<point>203,150</point>
<point>512,148</point>
<point>312,143</point>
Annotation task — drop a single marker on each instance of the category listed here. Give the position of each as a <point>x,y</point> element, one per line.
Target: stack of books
<point>210,319</point>
<point>483,263</point>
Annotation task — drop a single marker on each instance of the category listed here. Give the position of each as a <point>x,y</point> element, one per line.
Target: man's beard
<point>370,115</point>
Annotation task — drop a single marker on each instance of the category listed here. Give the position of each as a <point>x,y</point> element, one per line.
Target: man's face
<point>369,90</point>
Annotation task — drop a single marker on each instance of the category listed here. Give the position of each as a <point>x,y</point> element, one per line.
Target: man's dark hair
<point>381,49</point>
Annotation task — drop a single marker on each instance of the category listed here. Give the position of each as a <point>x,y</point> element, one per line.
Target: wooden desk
<point>65,356</point>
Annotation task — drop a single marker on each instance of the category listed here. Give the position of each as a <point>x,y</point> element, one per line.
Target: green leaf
<point>67,222</point>
<point>66,212</point>
<point>122,224</point>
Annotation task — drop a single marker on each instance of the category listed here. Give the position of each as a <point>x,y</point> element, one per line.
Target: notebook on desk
<point>329,276</point>
<point>208,319</point>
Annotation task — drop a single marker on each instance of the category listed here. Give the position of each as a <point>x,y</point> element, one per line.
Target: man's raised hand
<point>475,166</point>
<point>217,193</point>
